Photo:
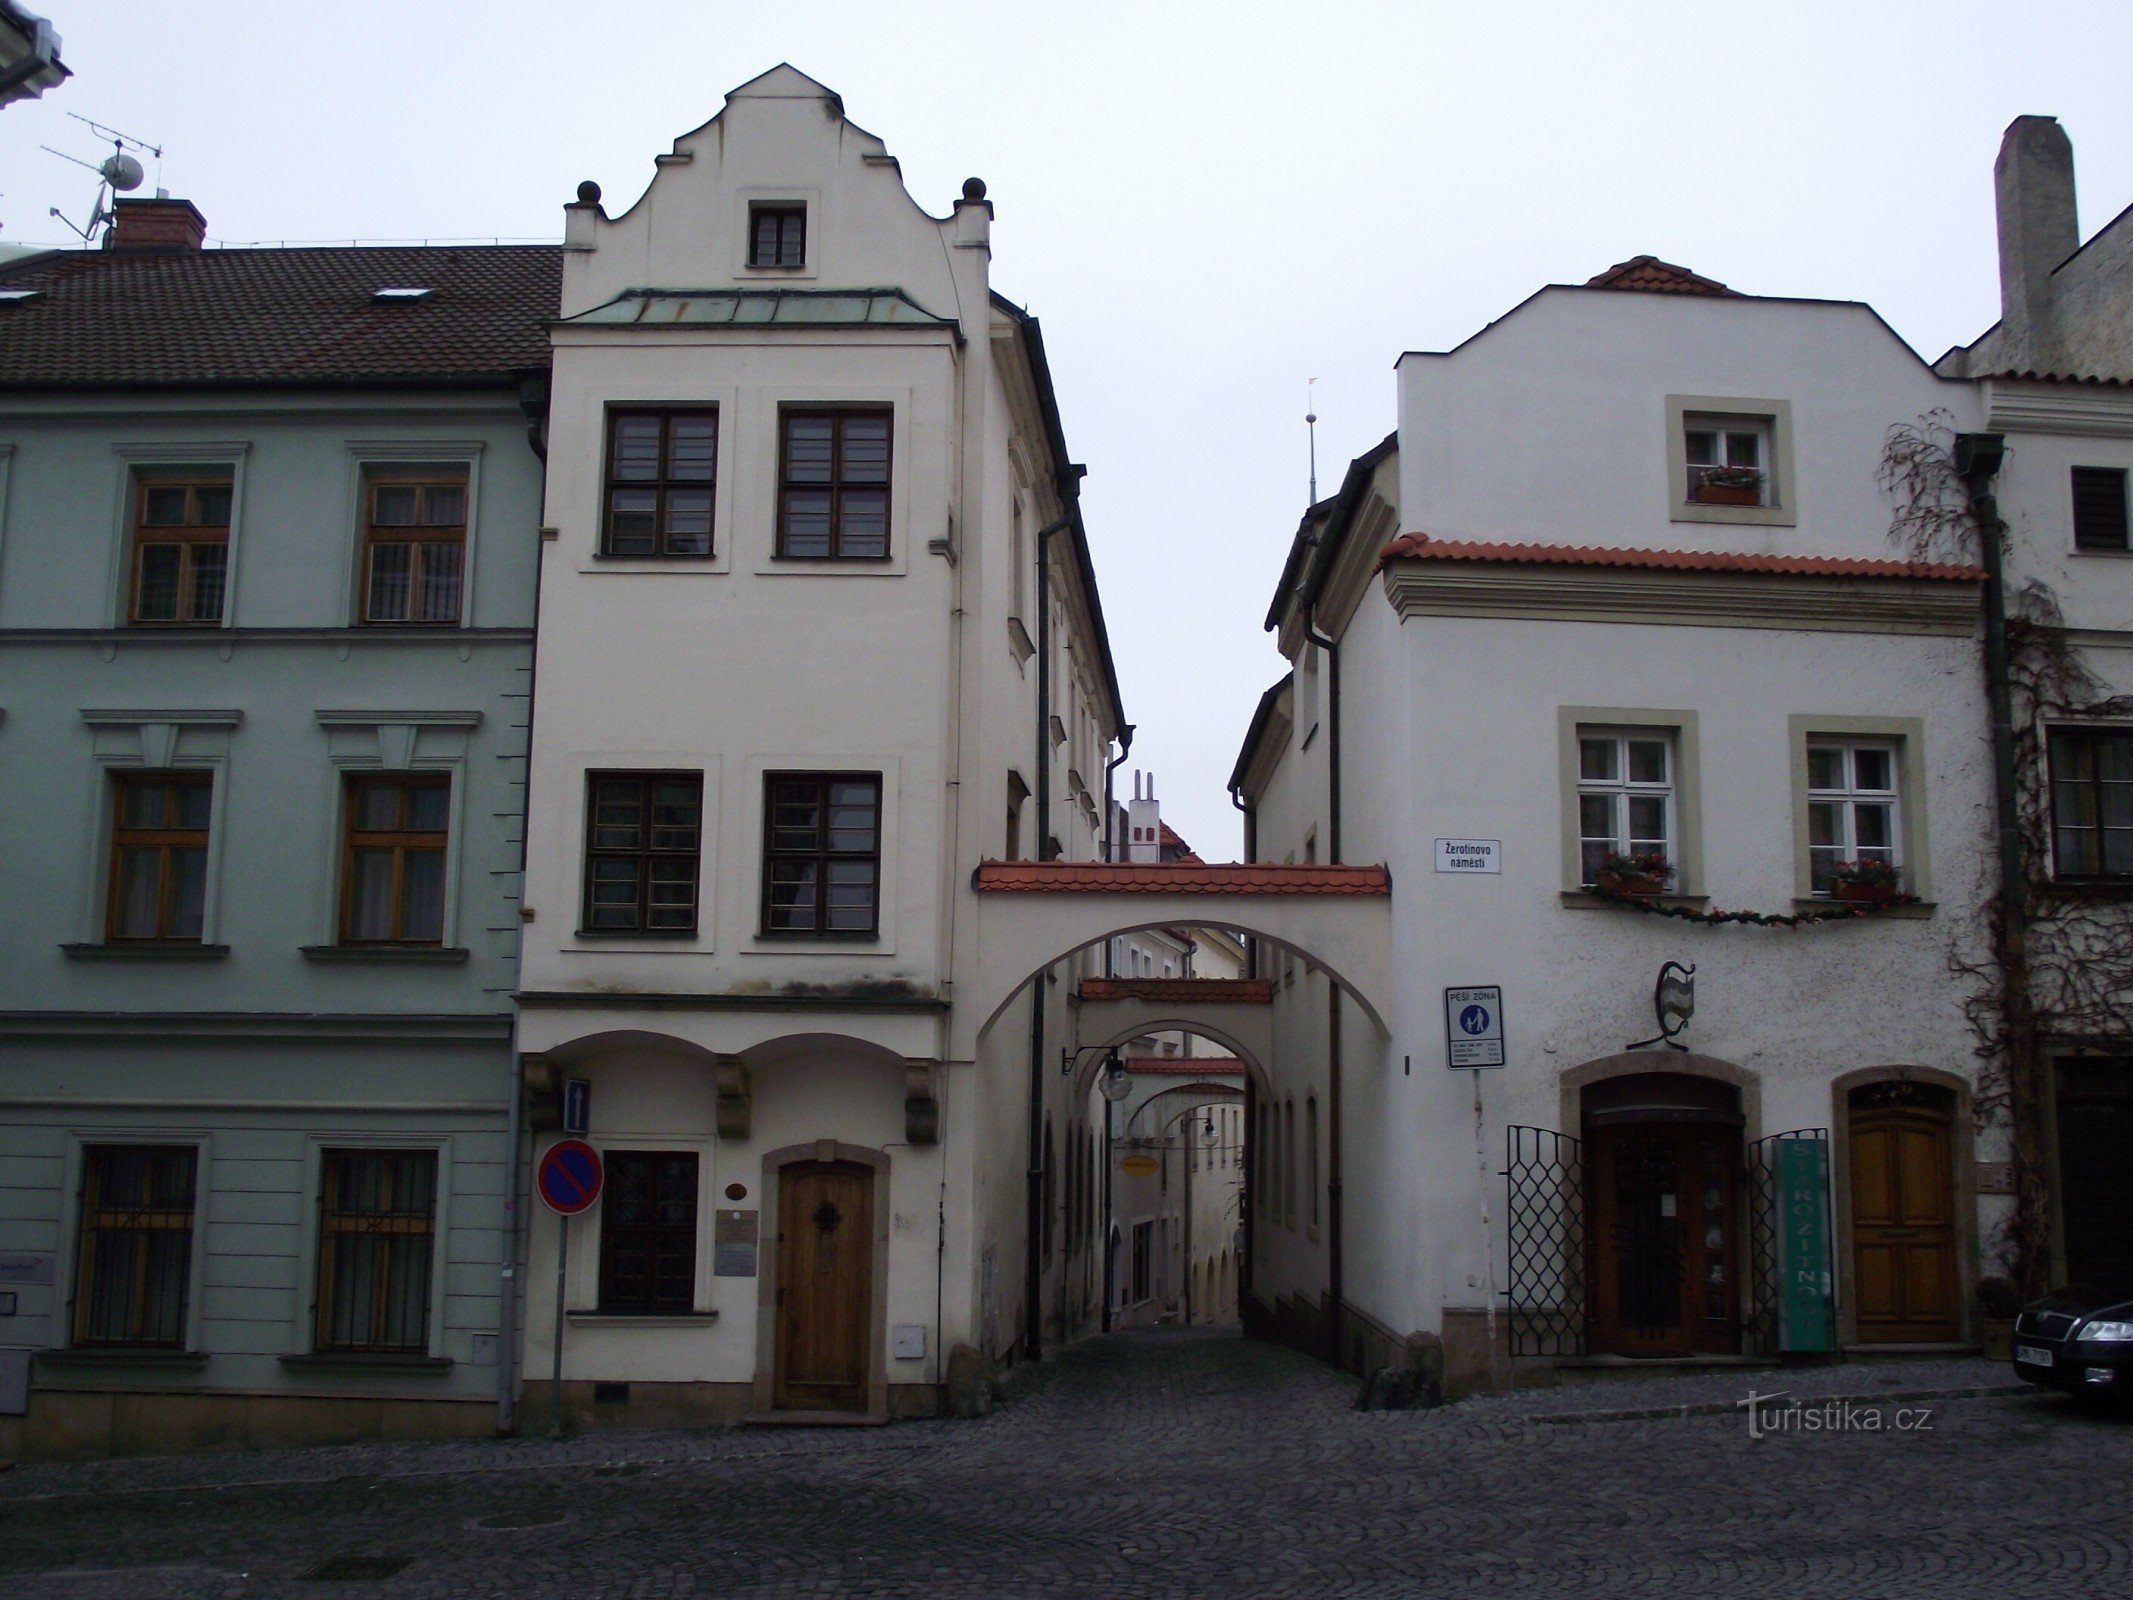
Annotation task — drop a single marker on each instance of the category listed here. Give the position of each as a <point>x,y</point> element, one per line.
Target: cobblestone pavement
<point>1157,1464</point>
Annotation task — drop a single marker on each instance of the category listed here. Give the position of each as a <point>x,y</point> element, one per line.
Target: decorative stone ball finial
<point>588,193</point>
<point>973,188</point>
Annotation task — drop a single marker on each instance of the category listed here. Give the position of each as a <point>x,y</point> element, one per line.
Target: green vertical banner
<point>1804,1322</point>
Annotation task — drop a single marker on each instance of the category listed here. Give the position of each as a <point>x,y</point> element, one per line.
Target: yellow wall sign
<point>1140,1166</point>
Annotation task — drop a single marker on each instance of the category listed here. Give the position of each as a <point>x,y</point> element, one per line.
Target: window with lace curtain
<point>414,548</point>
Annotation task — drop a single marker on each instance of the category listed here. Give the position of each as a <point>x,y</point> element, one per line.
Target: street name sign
<point>1473,1027</point>
<point>1470,855</point>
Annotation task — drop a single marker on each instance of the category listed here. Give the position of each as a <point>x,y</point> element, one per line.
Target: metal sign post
<point>568,1181</point>
<point>1488,1243</point>
<point>1473,1040</point>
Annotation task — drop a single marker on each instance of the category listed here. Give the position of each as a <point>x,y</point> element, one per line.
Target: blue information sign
<point>569,1177</point>
<point>577,1105</point>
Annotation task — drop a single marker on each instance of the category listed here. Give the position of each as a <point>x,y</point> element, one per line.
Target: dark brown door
<point>2095,1139</point>
<point>1662,1237</point>
<point>825,1285</point>
<point>1903,1214</point>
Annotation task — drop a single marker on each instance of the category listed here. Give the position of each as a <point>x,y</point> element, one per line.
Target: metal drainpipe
<point>1033,1221</point>
<point>1334,1284</point>
<point>1110,1252</point>
<point>1125,748</point>
<point>533,401</point>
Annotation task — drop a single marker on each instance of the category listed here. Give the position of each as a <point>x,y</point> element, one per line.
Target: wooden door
<point>1663,1244</point>
<point>1903,1216</point>
<point>825,1285</point>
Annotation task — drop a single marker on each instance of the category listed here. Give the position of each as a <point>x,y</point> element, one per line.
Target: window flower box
<point>1644,873</point>
<point>1727,486</point>
<point>1870,882</point>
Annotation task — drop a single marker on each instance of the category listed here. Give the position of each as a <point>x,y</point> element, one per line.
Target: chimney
<point>1144,823</point>
<point>2033,185</point>
<point>161,226</point>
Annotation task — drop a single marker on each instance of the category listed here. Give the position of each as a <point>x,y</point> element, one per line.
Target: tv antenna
<point>1311,427</point>
<point>118,173</point>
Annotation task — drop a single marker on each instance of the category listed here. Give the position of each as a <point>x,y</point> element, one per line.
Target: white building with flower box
<point>1680,632</point>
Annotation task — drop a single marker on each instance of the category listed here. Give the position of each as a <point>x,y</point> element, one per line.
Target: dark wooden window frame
<point>840,414</point>
<point>2091,736</point>
<point>400,1225</point>
<point>644,855</point>
<point>189,536</point>
<point>661,487</point>
<point>643,1297</point>
<point>401,840</point>
<point>421,534</point>
<point>790,219</point>
<point>107,1218</point>
<point>161,839</point>
<point>2099,502</point>
<point>821,855</point>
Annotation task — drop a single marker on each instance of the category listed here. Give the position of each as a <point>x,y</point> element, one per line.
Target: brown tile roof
<point>1175,877</point>
<point>1421,546</point>
<point>1181,991</point>
<point>291,316</point>
<point>1654,276</point>
<point>1184,1066</point>
<point>2094,380</point>
<point>1174,848</point>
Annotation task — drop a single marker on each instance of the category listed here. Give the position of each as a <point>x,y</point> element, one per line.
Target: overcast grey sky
<point>1207,204</point>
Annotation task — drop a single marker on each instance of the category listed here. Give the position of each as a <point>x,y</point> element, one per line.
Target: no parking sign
<point>568,1181</point>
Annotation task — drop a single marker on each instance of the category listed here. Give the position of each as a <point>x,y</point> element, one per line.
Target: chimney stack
<point>1144,822</point>
<point>2033,185</point>
<point>161,226</point>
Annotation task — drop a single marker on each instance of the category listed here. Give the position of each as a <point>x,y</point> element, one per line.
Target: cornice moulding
<point>1787,601</point>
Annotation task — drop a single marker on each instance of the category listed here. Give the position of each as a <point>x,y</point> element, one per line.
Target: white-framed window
<point>1626,796</point>
<point>1853,807</point>
<point>1728,460</point>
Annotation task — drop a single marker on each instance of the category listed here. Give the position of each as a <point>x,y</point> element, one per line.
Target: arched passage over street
<point>1033,914</point>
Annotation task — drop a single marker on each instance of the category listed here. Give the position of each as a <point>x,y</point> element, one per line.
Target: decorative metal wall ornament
<point>1673,1003</point>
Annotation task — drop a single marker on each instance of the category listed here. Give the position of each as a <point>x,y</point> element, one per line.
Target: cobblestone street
<point>1156,1464</point>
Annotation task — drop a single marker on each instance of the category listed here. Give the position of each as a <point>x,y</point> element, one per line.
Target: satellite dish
<point>122,172</point>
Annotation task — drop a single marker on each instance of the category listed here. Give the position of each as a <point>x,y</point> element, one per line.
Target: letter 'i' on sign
<point>1803,1244</point>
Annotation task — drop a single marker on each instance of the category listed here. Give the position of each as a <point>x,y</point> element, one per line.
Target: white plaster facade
<point>1464,688</point>
<point>748,1048</point>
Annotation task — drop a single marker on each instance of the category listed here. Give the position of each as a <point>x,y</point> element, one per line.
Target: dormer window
<point>777,234</point>
<point>1728,460</point>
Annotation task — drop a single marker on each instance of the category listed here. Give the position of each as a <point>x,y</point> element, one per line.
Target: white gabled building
<point>799,671</point>
<point>1622,583</point>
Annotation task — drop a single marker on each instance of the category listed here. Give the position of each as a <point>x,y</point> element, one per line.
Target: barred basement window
<point>648,1232</point>
<point>135,1270</point>
<point>414,549</point>
<point>377,1232</point>
<point>181,547</point>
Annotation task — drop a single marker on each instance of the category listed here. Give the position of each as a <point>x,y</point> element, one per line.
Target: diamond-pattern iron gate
<point>1545,1172</point>
<point>1763,1271</point>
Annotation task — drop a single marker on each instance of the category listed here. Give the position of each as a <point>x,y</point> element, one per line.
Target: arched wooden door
<point>1903,1213</point>
<point>825,1285</point>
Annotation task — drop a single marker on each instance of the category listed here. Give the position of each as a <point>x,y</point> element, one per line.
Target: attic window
<point>11,297</point>
<point>399,296</point>
<point>777,235</point>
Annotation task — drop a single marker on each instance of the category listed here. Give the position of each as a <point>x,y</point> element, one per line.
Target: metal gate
<point>1545,1172</point>
<point>1763,1273</point>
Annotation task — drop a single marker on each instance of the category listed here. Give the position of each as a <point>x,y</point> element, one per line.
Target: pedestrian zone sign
<point>1473,1027</point>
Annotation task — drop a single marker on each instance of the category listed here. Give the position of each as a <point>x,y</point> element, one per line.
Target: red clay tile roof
<point>1413,546</point>
<point>1181,991</point>
<point>1175,877</point>
<point>1184,1066</point>
<point>1654,276</point>
<point>1169,841</point>
<point>277,316</point>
